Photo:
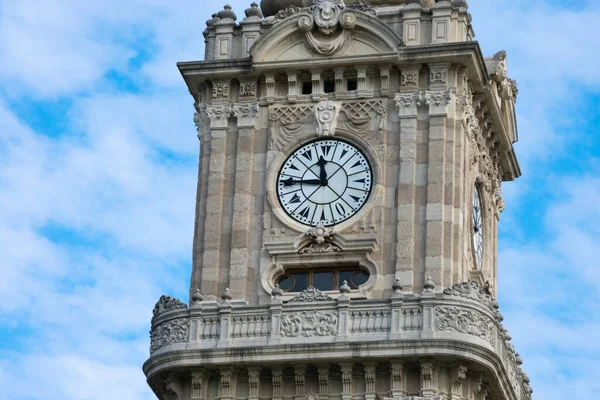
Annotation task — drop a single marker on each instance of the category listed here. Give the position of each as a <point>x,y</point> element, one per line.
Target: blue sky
<point>97,188</point>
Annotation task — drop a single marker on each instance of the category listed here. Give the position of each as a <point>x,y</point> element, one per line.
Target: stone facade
<point>405,83</point>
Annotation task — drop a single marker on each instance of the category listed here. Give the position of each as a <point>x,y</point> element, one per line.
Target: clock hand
<point>323,174</point>
<point>292,181</point>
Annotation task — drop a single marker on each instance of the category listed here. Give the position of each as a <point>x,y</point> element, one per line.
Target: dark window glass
<point>286,283</point>
<point>352,84</point>
<point>329,86</point>
<point>323,280</point>
<point>359,278</point>
<point>307,88</point>
<point>300,280</point>
<point>347,276</point>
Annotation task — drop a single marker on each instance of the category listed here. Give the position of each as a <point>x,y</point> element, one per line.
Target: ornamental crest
<point>326,14</point>
<point>165,304</point>
<point>309,324</point>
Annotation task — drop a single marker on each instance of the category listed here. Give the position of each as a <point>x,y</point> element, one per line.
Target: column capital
<point>408,104</point>
<point>438,102</point>
<point>219,115</point>
<point>246,114</point>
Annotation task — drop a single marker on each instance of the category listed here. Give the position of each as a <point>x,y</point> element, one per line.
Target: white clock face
<point>325,181</point>
<point>477,229</point>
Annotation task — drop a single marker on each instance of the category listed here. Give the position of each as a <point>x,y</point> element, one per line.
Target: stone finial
<point>518,359</point>
<point>197,296</point>
<point>226,296</point>
<point>227,13</point>
<point>397,287</point>
<point>253,11</point>
<point>507,335</point>
<point>345,289</point>
<point>460,3</point>
<point>276,292</point>
<point>211,22</point>
<point>429,285</point>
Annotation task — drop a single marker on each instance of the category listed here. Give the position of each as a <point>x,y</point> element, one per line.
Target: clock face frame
<point>477,226</point>
<point>325,180</point>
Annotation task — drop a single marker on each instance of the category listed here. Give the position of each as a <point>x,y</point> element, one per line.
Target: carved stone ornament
<point>310,295</point>
<point>167,333</point>
<point>311,396</point>
<point>461,320</point>
<point>290,124</point>
<point>286,13</point>
<point>364,6</point>
<point>320,232</point>
<point>246,114</point>
<point>309,324</point>
<point>408,104</point>
<point>367,119</point>
<point>165,304</point>
<point>471,290</point>
<point>321,240</point>
<point>248,89</point>
<point>221,90</point>
<point>438,102</point>
<point>327,115</point>
<point>318,248</point>
<point>219,115</point>
<point>327,16</point>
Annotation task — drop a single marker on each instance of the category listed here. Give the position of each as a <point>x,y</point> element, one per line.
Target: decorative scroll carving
<point>317,248</point>
<point>309,324</point>
<point>165,304</point>
<point>326,113</point>
<point>311,294</point>
<point>470,290</point>
<point>364,6</point>
<point>286,13</point>
<point>465,321</point>
<point>287,124</point>
<point>167,333</point>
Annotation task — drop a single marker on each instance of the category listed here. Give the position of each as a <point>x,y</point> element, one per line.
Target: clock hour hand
<point>292,181</point>
<point>323,173</point>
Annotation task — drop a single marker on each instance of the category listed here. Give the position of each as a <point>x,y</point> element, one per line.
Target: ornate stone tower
<point>349,191</point>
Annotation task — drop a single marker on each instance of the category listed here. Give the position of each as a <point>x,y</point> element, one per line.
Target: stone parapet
<point>462,324</point>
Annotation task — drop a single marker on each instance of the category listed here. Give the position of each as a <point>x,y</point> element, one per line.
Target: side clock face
<point>477,229</point>
<point>325,181</point>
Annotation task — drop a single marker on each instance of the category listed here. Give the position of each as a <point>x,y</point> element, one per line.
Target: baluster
<point>244,332</point>
<point>364,320</point>
<point>251,325</point>
<point>378,321</point>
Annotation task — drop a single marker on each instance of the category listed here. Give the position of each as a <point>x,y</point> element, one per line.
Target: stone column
<point>370,379</point>
<point>397,380</point>
<point>437,212</point>
<point>458,376</point>
<point>254,383</point>
<point>346,381</point>
<point>198,391</point>
<point>300,378</point>
<point>243,200</point>
<point>219,115</point>
<point>323,371</point>
<point>277,380</point>
<point>408,102</point>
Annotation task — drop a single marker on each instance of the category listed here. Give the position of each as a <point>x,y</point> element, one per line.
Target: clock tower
<point>352,156</point>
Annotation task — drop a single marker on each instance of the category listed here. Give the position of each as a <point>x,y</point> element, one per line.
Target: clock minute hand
<point>292,181</point>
